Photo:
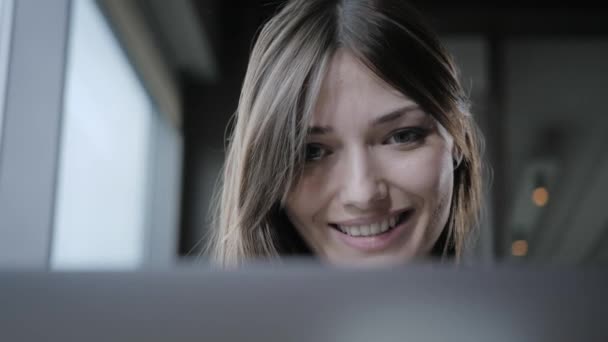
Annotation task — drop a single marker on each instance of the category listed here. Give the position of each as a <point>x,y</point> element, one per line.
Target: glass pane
<point>6,14</point>
<point>101,192</point>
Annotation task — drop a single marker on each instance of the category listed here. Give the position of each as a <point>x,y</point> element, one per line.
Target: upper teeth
<point>370,229</point>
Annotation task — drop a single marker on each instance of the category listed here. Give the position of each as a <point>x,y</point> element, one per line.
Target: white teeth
<point>375,228</point>
<point>364,230</point>
<point>384,228</point>
<point>385,224</point>
<point>370,229</point>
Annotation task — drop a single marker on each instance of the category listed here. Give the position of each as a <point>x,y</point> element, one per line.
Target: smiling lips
<point>371,228</point>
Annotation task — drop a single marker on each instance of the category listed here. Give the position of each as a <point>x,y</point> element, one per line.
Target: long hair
<point>266,147</point>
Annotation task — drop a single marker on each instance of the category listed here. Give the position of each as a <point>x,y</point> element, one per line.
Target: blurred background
<point>113,117</point>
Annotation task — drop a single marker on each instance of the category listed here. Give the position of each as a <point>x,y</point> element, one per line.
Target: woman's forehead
<point>350,89</point>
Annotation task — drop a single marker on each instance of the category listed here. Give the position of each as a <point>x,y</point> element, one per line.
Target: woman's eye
<point>406,136</point>
<point>315,152</point>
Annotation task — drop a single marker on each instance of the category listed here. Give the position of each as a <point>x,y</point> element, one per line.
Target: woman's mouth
<point>379,227</point>
<point>376,235</point>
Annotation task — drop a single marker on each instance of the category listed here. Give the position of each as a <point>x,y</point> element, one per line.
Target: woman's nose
<point>363,184</point>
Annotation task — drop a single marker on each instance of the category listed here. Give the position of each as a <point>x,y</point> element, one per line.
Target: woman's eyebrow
<point>394,114</point>
<point>388,117</point>
<point>319,130</point>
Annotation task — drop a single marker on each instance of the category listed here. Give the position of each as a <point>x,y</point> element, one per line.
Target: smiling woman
<point>353,142</point>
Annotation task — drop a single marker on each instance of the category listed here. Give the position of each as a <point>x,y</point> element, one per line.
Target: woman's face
<point>377,184</point>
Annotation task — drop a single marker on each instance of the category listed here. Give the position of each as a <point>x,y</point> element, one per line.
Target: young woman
<point>353,142</point>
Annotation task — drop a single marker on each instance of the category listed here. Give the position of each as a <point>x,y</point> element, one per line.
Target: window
<point>6,16</point>
<point>103,170</point>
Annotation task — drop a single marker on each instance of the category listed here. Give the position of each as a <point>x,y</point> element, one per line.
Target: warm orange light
<point>519,248</point>
<point>540,196</point>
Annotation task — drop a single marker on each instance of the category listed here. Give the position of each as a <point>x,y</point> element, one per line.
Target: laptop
<point>304,302</point>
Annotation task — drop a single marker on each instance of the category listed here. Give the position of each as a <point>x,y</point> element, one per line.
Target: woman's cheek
<point>419,172</point>
<point>303,200</point>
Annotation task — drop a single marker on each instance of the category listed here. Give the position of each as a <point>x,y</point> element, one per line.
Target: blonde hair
<point>283,80</point>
